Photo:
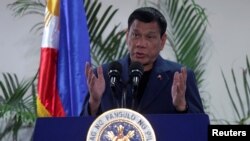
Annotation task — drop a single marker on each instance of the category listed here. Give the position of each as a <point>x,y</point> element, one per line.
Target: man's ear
<point>163,40</point>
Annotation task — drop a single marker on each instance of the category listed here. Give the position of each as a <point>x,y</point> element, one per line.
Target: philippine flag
<point>64,51</point>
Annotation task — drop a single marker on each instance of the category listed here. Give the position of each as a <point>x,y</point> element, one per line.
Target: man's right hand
<point>96,86</point>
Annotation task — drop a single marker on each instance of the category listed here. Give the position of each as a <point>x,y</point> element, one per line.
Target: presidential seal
<point>121,124</point>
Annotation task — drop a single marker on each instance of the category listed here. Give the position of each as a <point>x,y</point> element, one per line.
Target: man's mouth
<point>139,55</point>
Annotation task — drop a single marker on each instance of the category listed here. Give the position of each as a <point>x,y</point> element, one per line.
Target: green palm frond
<point>104,48</point>
<point>14,96</point>
<point>29,7</point>
<point>106,45</point>
<point>240,100</point>
<point>17,106</point>
<point>186,28</point>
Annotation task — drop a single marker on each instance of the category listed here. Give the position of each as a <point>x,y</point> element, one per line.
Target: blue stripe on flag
<point>74,51</point>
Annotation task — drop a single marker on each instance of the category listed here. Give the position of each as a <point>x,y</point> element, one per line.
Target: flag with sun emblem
<point>65,49</point>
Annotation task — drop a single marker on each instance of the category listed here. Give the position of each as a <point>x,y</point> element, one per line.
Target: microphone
<point>114,73</point>
<point>136,72</point>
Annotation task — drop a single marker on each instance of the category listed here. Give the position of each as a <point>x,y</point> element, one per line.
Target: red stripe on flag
<point>47,85</point>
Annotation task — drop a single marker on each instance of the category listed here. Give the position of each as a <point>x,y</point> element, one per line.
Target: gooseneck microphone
<point>114,73</point>
<point>136,72</point>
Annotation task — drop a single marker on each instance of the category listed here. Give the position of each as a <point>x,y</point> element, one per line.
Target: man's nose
<point>141,42</point>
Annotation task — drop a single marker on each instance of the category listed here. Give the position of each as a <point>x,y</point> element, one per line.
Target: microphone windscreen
<point>136,66</point>
<point>115,68</point>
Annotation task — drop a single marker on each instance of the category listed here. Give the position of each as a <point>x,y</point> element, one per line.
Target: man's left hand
<point>179,89</point>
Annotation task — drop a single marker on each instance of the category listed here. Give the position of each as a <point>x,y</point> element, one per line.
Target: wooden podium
<point>168,127</point>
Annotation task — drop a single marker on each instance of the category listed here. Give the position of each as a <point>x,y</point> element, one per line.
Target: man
<point>165,87</point>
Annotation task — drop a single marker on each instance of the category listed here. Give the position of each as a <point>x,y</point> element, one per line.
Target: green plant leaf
<point>104,48</point>
<point>16,105</point>
<point>240,99</point>
<point>186,28</point>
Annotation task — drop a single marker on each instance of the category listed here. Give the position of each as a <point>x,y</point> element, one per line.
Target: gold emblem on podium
<point>121,124</point>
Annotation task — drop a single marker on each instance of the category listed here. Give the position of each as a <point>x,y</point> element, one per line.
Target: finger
<point>90,74</point>
<point>182,81</point>
<point>100,72</point>
<point>87,67</point>
<point>183,78</point>
<point>176,78</point>
<point>179,83</point>
<point>184,74</point>
<point>174,89</point>
<point>176,81</point>
<point>92,81</point>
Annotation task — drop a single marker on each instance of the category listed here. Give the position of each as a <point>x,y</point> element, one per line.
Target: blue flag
<point>73,53</point>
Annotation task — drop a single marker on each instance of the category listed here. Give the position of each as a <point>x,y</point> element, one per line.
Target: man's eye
<point>150,36</point>
<point>135,34</point>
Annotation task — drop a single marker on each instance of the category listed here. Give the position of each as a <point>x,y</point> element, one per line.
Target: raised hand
<point>179,89</point>
<point>96,86</point>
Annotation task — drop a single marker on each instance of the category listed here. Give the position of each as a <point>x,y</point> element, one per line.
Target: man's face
<point>144,42</point>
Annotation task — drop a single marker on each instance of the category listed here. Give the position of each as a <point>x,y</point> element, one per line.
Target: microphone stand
<point>124,96</point>
<point>134,95</point>
<point>114,95</point>
<point>123,101</point>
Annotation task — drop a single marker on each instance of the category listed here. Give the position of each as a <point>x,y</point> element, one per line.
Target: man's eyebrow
<point>151,33</point>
